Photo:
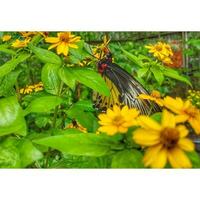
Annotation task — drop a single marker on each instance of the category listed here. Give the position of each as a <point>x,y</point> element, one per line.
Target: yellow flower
<point>6,38</point>
<point>32,88</point>
<point>38,87</point>
<point>117,120</point>
<point>27,34</point>
<point>20,43</point>
<point>185,110</point>
<point>27,90</point>
<point>154,96</point>
<point>63,42</point>
<point>165,142</point>
<point>100,50</point>
<point>161,51</point>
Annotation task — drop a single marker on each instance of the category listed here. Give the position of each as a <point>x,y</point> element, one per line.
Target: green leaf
<point>28,153</point>
<point>85,105</point>
<point>4,48</point>
<point>142,71</point>
<point>79,54</point>
<point>50,78</point>
<point>67,77</point>
<point>157,116</point>
<point>128,159</point>
<point>7,82</point>
<point>79,111</point>
<point>16,153</point>
<point>45,56</point>
<point>158,74</point>
<point>83,144</point>
<point>195,159</point>
<point>9,157</point>
<point>41,121</point>
<point>86,119</point>
<point>11,117</point>
<point>91,79</point>
<point>133,58</point>
<point>43,104</point>
<point>175,75</point>
<point>195,43</point>
<point>10,65</point>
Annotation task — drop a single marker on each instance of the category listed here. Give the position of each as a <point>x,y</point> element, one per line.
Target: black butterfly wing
<point>126,90</point>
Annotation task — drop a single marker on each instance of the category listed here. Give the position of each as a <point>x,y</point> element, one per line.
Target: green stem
<point>54,123</point>
<point>17,90</point>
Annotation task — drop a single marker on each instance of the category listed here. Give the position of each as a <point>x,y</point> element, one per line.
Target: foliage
<point>55,125</point>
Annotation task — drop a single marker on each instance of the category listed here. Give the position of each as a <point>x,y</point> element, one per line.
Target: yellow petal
<point>73,45</point>
<point>160,160</point>
<point>151,154</point>
<point>183,131</point>
<point>146,137</point>
<point>178,159</point>
<point>62,49</point>
<point>110,113</point>
<point>148,123</point>
<point>110,130</point>
<point>51,39</point>
<point>144,96</point>
<point>172,104</point>
<point>53,46</point>
<point>104,118</point>
<point>168,119</point>
<point>186,144</point>
<point>116,109</point>
<point>195,123</point>
<point>122,129</point>
<point>124,110</point>
<point>181,118</point>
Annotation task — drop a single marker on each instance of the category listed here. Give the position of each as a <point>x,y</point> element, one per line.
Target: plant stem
<point>54,123</point>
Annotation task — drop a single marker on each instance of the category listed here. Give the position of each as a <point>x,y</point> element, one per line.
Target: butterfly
<point>124,89</point>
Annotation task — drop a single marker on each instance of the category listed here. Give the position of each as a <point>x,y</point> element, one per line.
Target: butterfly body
<point>123,87</point>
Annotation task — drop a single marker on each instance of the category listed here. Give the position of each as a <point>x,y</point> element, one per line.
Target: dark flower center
<point>169,137</point>
<point>64,38</point>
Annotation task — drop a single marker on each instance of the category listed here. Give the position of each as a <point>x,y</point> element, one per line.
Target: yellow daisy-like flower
<point>20,43</point>
<point>63,42</point>
<point>154,96</point>
<point>117,120</point>
<point>161,51</point>
<point>6,38</point>
<point>185,110</point>
<point>165,142</point>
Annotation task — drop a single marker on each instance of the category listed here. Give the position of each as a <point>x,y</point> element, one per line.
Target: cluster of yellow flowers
<point>62,42</point>
<point>165,141</point>
<point>162,51</point>
<point>32,88</point>
<point>194,97</point>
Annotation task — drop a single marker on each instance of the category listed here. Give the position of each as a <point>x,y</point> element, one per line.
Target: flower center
<point>64,37</point>
<point>169,137</point>
<point>155,94</point>
<point>118,120</point>
<point>191,111</point>
<point>158,48</point>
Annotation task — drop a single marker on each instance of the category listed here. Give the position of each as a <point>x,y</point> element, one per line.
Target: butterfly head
<point>104,62</point>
